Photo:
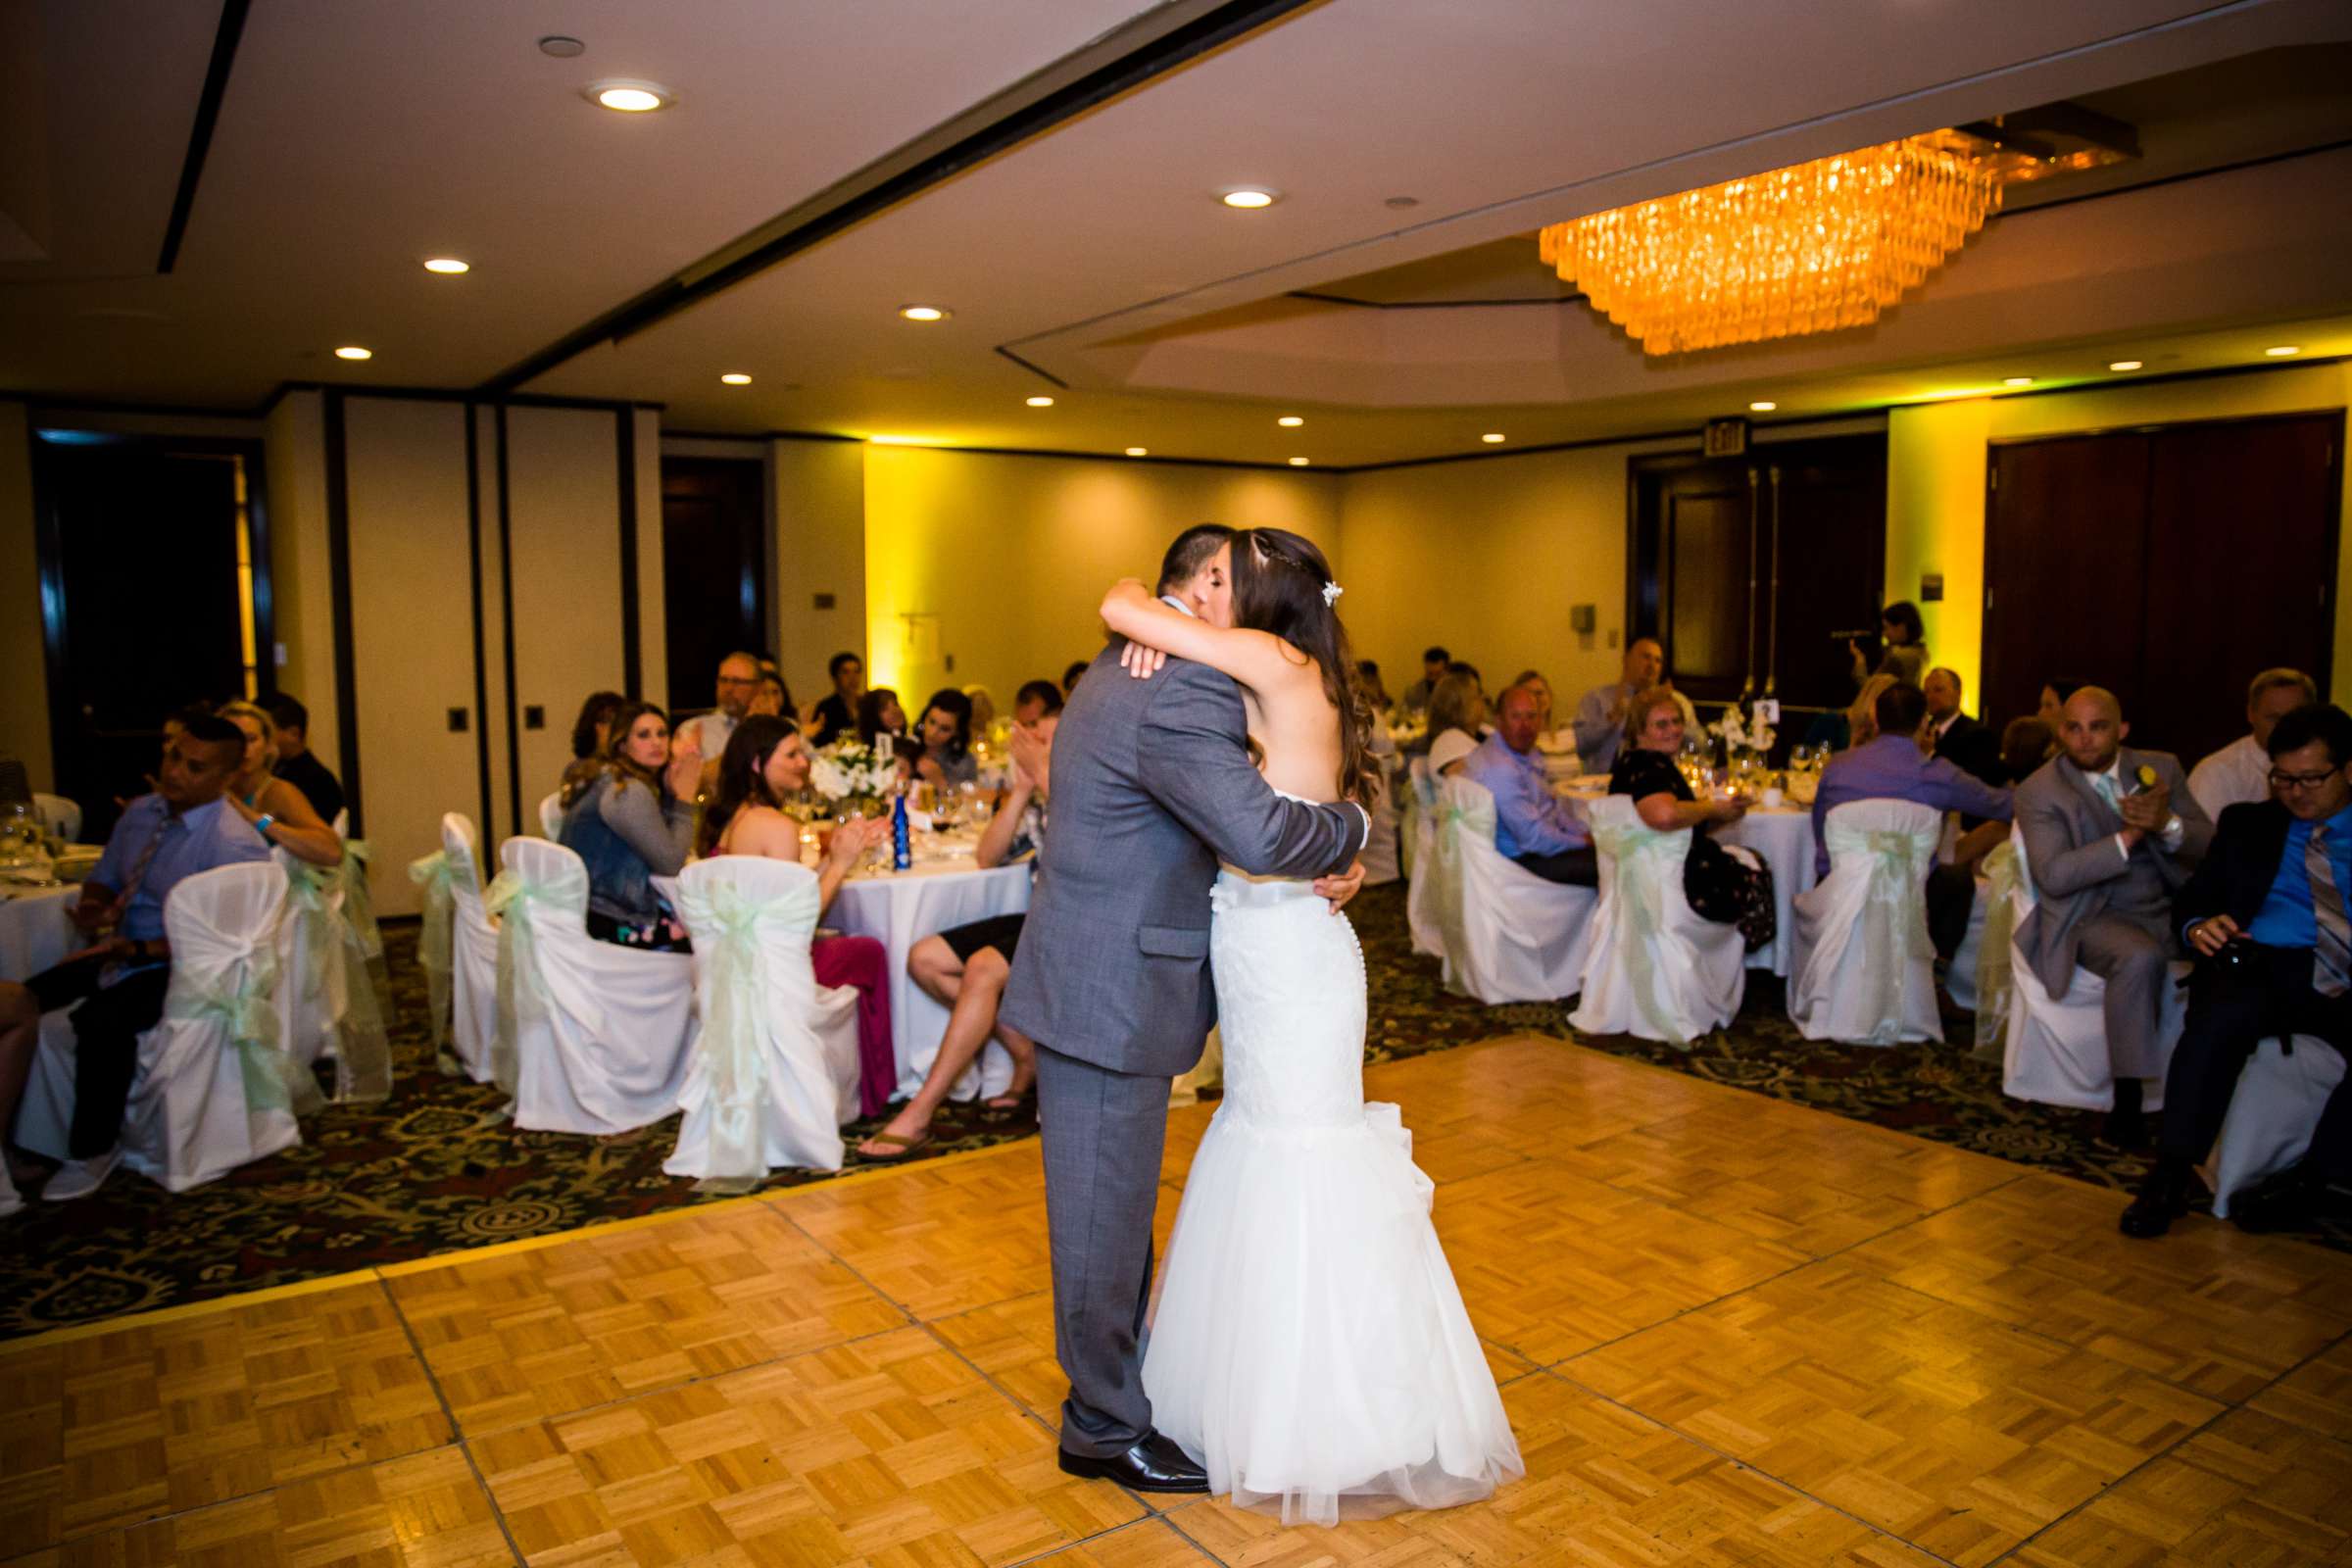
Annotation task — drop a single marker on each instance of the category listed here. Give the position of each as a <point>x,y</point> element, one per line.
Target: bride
<point>1309,1348</point>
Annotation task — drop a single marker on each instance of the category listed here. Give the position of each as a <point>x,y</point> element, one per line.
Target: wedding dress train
<point>1309,1347</point>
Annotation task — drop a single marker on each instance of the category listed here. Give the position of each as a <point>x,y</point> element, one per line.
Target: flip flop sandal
<point>906,1146</point>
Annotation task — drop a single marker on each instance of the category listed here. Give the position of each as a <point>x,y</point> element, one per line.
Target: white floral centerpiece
<point>851,774</point>
<point>1742,730</point>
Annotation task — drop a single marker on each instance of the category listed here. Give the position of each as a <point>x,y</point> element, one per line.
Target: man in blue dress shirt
<point>185,827</point>
<point>1898,767</point>
<point>1533,826</point>
<point>2265,915</point>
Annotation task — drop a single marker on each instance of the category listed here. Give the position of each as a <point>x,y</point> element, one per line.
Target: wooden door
<point>713,574</point>
<point>2063,598</point>
<point>2240,570</point>
<point>1707,528</point>
<point>1825,515</point>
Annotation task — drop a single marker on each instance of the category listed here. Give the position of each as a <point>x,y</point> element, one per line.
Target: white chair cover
<point>1655,968</point>
<point>365,939</point>
<point>473,954</point>
<point>327,1001</point>
<point>213,1091</point>
<point>1992,979</point>
<point>2055,1049</point>
<point>763,1090</point>
<point>60,816</point>
<point>551,815</point>
<point>1506,934</point>
<point>1420,896</point>
<point>2272,1115</point>
<point>1960,979</point>
<point>1865,970</point>
<point>591,1037</point>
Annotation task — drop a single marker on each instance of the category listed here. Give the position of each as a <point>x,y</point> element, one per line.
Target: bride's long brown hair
<point>1278,581</point>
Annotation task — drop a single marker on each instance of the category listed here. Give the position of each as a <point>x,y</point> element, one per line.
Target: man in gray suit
<point>2111,834</point>
<point>1152,786</point>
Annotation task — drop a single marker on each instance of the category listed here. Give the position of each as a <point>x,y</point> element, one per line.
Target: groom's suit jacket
<point>1152,786</point>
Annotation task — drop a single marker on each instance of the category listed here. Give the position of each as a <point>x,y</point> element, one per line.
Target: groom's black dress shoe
<point>1155,1465</point>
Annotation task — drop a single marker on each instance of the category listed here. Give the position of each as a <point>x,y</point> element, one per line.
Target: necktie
<point>2108,790</point>
<point>141,860</point>
<point>2332,951</point>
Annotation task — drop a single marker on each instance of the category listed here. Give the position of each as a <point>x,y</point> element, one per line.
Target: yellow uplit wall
<point>1001,561</point>
<point>1937,455</point>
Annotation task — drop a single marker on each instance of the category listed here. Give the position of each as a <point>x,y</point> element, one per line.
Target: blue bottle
<point>902,850</point>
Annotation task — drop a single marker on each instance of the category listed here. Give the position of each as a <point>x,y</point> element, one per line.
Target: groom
<point>1152,786</point>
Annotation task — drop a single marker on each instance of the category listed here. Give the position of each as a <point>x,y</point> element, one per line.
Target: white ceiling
<point>357,139</point>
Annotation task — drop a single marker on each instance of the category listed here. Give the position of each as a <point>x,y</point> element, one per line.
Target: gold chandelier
<point>1805,249</point>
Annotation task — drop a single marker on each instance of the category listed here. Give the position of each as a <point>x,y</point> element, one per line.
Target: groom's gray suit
<point>1152,786</point>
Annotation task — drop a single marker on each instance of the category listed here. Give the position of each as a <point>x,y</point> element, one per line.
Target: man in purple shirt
<point>185,827</point>
<point>1533,827</point>
<point>1898,767</point>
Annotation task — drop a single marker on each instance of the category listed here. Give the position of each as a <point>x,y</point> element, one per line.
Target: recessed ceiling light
<point>562,46</point>
<point>1137,452</point>
<point>1041,401</point>
<point>630,97</point>
<point>1492,438</point>
<point>2284,351</point>
<point>1299,463</point>
<point>447,266</point>
<point>736,378</point>
<point>1250,198</point>
<point>923,312</point>
<point>1765,406</point>
<point>2123,365</point>
<point>1290,421</point>
<point>353,350</point>
<point>2017,380</point>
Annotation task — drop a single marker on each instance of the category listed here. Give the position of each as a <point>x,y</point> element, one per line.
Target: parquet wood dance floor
<point>1729,1330</point>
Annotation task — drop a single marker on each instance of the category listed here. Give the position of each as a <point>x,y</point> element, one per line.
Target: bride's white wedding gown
<point>1309,1347</point>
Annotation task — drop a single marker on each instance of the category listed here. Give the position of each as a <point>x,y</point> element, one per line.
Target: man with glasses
<point>738,683</point>
<point>2265,915</point>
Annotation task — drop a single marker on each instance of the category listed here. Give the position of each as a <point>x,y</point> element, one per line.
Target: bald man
<point>2107,852</point>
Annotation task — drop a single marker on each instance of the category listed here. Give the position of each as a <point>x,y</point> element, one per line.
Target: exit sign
<point>1725,438</point>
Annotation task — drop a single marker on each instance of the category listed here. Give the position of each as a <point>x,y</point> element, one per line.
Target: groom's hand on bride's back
<point>1340,889</point>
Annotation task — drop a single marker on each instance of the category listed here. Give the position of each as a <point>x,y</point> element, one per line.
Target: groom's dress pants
<point>1102,1133</point>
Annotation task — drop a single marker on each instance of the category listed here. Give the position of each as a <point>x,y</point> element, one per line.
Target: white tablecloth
<point>34,932</point>
<point>900,908</point>
<point>1781,837</point>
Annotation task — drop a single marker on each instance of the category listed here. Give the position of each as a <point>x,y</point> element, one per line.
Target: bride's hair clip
<point>1331,594</point>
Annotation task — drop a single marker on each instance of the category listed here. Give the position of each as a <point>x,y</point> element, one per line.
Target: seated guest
<point>1435,661</point>
<point>278,811</point>
<point>632,822</point>
<point>1721,887</point>
<point>1467,670</point>
<point>1367,675</point>
<point>738,682</point>
<point>984,710</point>
<point>1600,715</point>
<point>1533,827</point>
<point>1906,649</point>
<point>946,732</point>
<point>590,733</point>
<point>1896,766</point>
<point>965,969</point>
<point>298,764</point>
<point>1963,742</point>
<point>2107,852</point>
<point>837,714</point>
<point>771,697</point>
<point>766,763</point>
<point>1070,676</point>
<point>2265,916</point>
<point>2024,746</point>
<point>185,827</point>
<point>1458,722</point>
<point>880,719</point>
<point>2241,771</point>
<point>1036,700</point>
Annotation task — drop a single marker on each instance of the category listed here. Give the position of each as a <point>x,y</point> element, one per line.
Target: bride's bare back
<point>1290,712</point>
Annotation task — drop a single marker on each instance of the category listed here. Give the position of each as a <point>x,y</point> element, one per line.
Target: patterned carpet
<point>435,1169</point>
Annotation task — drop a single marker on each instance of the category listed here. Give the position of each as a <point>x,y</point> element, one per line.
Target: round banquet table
<point>1781,837</point>
<point>899,909</point>
<point>34,932</point>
